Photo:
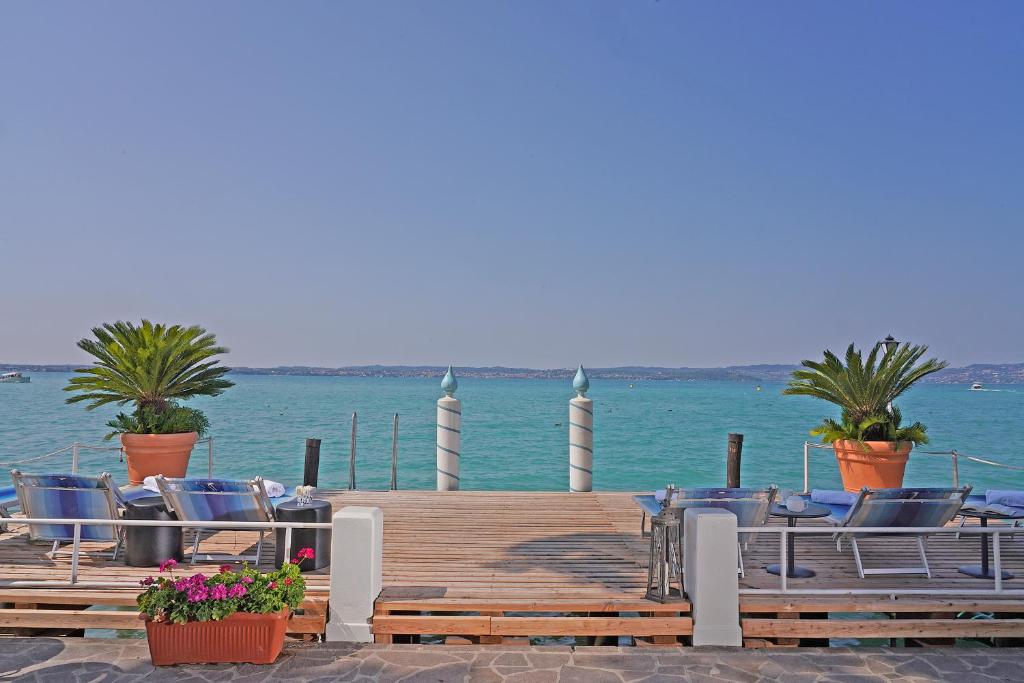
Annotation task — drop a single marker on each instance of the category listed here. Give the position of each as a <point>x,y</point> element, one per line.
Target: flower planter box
<point>241,637</point>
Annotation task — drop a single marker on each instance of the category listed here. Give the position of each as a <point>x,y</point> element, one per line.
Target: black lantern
<point>890,344</point>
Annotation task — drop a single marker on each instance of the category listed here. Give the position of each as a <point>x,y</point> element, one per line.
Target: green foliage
<point>175,419</point>
<point>204,598</point>
<point>152,366</point>
<point>864,389</point>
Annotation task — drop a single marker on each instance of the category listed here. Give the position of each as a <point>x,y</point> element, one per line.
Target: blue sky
<point>514,183</point>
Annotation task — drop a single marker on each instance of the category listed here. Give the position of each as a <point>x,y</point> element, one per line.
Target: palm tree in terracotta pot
<point>871,443</point>
<point>153,367</point>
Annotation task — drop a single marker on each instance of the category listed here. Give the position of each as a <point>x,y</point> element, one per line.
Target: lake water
<point>515,432</point>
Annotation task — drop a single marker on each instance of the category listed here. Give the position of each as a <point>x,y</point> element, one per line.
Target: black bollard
<point>732,465</point>
<point>312,468</point>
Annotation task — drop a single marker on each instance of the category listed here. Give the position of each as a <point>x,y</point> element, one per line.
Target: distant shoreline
<point>1007,373</point>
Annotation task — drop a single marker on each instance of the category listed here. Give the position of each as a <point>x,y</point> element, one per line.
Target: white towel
<point>149,484</point>
<point>274,489</point>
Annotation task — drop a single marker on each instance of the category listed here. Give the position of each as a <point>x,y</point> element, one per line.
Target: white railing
<point>80,522</point>
<point>996,564</point>
<point>954,456</point>
<point>77,447</point>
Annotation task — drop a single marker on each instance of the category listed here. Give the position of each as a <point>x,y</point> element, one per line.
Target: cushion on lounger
<point>829,497</point>
<point>997,497</point>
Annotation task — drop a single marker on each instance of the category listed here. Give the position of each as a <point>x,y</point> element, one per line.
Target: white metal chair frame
<point>920,539</point>
<point>259,489</point>
<point>114,506</point>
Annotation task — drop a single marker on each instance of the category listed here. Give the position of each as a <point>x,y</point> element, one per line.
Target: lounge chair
<point>894,508</point>
<point>749,505</point>
<point>218,500</point>
<point>70,496</point>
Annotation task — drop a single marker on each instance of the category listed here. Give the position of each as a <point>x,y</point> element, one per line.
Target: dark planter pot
<point>240,638</point>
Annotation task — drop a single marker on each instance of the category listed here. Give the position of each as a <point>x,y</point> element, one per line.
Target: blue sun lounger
<point>894,508</point>
<point>749,505</point>
<point>218,500</point>
<point>70,496</point>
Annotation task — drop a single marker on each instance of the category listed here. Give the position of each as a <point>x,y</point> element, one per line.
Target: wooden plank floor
<point>489,554</point>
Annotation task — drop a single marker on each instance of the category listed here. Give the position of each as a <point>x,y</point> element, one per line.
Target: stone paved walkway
<point>79,659</point>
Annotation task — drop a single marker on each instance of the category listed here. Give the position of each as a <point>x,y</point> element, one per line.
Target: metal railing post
<point>783,560</point>
<point>74,457</point>
<point>352,458</point>
<point>394,455</point>
<point>956,469</point>
<point>997,570</point>
<point>807,467</point>
<point>209,457</point>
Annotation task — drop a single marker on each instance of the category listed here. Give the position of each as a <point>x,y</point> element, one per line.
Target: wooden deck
<point>502,566</point>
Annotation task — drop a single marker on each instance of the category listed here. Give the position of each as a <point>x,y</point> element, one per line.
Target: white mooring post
<point>710,577</point>
<point>449,434</point>
<point>356,572</point>
<point>581,436</point>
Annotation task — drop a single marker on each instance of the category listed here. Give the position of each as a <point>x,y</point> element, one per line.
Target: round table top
<point>982,514</point>
<point>147,502</point>
<point>293,504</point>
<point>812,511</point>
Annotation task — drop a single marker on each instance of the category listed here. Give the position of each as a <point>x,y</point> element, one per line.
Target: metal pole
<point>956,470</point>
<point>807,467</point>
<point>74,458</point>
<point>394,454</point>
<point>352,458</point>
<point>209,457</point>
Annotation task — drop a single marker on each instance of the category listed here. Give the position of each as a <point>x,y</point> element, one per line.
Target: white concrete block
<point>709,577</point>
<point>357,558</point>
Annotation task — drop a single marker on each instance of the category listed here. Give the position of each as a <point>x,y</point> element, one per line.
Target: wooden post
<point>734,456</point>
<point>581,436</point>
<point>312,466</point>
<point>449,434</point>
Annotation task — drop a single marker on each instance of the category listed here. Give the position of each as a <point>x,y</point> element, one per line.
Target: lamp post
<point>890,344</point>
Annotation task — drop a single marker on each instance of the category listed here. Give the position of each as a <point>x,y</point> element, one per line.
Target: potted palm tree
<point>152,366</point>
<point>871,443</point>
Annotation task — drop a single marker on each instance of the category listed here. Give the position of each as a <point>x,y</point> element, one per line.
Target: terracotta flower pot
<point>152,454</point>
<point>875,464</point>
<point>241,637</point>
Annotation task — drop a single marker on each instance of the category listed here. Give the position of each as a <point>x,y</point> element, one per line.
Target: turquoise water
<point>515,431</point>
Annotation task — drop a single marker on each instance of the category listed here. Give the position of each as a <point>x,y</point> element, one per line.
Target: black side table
<point>317,539</point>
<point>148,546</point>
<point>983,571</point>
<point>812,511</point>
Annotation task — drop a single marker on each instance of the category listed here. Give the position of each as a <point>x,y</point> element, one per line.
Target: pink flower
<point>219,592</point>
<point>198,593</point>
<point>287,582</point>
<point>148,581</point>
<point>168,564</point>
<point>237,590</point>
<point>305,554</point>
<point>272,585</point>
<point>225,568</point>
<point>247,579</point>
<point>182,585</point>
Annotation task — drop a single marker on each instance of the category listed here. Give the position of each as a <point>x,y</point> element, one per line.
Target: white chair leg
<point>739,559</point>
<point>259,547</point>
<point>856,557</point>
<point>53,551</point>
<point>195,546</point>
<point>924,557</point>
<point>963,521</point>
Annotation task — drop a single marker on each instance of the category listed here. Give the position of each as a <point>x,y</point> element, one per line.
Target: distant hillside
<point>1006,373</point>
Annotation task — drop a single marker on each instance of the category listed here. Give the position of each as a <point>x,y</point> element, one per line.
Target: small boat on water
<point>977,387</point>
<point>13,378</point>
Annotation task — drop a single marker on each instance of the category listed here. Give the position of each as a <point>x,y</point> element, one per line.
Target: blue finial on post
<point>449,384</point>
<point>580,383</point>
